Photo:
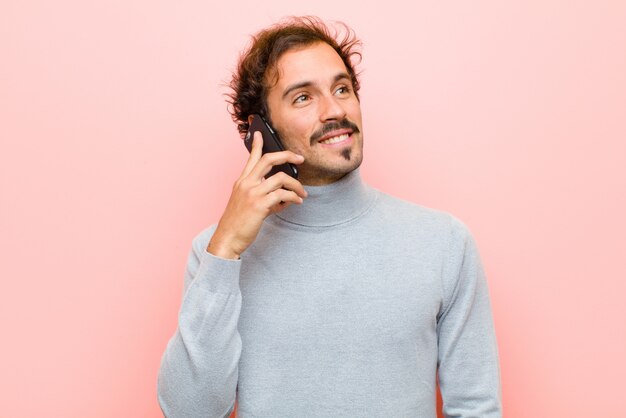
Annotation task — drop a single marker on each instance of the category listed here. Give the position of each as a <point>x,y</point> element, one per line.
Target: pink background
<point>116,149</point>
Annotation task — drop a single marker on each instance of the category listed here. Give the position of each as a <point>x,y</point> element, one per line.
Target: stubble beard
<point>317,174</point>
<point>324,174</point>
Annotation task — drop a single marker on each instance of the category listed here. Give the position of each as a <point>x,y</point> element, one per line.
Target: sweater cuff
<point>219,275</point>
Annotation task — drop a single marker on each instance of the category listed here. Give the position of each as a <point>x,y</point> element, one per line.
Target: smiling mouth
<point>334,132</point>
<point>335,139</point>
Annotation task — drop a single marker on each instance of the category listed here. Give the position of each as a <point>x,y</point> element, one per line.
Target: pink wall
<point>116,149</point>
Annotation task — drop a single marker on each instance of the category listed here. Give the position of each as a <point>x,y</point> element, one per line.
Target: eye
<point>343,90</point>
<point>301,98</point>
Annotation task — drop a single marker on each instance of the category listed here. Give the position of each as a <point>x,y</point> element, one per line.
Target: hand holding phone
<point>254,198</point>
<point>271,143</point>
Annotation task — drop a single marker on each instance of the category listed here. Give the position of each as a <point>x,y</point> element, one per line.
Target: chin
<point>337,172</point>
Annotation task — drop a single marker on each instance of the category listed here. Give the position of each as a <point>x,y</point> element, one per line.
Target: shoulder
<point>410,214</point>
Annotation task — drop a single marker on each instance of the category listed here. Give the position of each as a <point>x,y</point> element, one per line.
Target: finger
<point>282,195</point>
<point>255,153</point>
<point>280,206</point>
<point>282,180</point>
<point>269,160</point>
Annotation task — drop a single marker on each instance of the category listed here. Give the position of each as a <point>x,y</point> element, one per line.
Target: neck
<point>316,180</point>
<point>331,204</point>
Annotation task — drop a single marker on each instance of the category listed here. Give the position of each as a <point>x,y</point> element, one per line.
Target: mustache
<point>333,126</point>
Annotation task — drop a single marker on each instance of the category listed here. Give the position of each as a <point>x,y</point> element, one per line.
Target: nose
<point>331,108</point>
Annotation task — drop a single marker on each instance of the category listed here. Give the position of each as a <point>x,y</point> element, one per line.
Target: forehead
<point>316,63</point>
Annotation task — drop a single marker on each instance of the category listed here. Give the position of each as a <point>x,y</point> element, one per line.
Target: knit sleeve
<point>199,369</point>
<point>469,371</point>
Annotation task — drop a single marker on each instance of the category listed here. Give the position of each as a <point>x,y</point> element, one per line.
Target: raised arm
<point>199,369</point>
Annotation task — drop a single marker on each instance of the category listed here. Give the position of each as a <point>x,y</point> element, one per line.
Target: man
<point>321,296</point>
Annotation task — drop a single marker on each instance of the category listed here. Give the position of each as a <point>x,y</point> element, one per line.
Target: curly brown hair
<point>249,82</point>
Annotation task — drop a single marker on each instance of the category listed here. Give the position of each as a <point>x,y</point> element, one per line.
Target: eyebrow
<point>302,84</point>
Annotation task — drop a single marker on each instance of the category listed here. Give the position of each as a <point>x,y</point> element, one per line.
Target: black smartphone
<point>271,143</point>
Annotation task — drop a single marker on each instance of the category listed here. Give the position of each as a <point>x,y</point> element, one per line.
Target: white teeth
<point>335,139</point>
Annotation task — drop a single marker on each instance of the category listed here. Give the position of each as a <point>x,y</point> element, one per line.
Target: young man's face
<point>316,113</point>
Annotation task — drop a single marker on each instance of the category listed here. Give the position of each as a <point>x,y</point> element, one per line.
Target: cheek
<point>293,140</point>
<point>297,136</point>
<point>355,111</point>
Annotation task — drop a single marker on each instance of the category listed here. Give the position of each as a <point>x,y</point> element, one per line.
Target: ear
<point>250,117</point>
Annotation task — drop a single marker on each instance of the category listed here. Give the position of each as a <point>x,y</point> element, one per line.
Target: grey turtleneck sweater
<point>348,305</point>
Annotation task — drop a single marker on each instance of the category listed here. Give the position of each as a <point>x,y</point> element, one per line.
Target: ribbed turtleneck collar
<point>331,204</point>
